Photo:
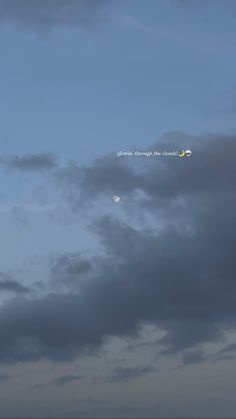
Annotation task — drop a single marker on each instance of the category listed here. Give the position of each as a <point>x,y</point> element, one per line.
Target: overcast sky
<point>128,309</point>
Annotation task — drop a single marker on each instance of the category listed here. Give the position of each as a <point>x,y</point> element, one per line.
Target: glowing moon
<point>116,199</point>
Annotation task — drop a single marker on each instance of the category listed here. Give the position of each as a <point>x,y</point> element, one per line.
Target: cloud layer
<point>178,275</point>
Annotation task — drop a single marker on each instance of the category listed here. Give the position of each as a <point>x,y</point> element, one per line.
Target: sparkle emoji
<point>188,153</point>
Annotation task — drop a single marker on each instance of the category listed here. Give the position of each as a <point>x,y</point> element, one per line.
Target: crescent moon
<point>182,154</point>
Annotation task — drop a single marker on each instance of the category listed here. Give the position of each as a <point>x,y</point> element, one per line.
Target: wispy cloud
<point>7,283</point>
<point>65,379</point>
<point>125,374</point>
<point>29,162</point>
<point>43,15</point>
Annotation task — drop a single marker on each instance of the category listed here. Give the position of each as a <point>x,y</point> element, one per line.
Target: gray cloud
<point>225,358</point>
<point>228,353</point>
<point>4,377</point>
<point>126,374</point>
<point>157,184</point>
<point>192,357</point>
<point>9,284</point>
<point>70,270</point>
<point>29,162</point>
<point>65,379</point>
<point>229,348</point>
<point>179,277</point>
<point>59,381</point>
<point>40,15</point>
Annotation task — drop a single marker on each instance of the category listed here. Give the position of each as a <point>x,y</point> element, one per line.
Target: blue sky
<point>80,81</point>
<point>148,69</point>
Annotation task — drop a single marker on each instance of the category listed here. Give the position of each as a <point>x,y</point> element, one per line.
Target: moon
<point>116,199</point>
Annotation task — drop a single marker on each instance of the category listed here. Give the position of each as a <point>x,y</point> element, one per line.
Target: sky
<point>123,310</point>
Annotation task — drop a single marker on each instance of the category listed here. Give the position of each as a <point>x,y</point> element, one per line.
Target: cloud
<point>178,274</point>
<point>4,377</point>
<point>192,357</point>
<point>156,183</point>
<point>65,379</point>
<point>9,284</point>
<point>122,374</point>
<point>229,348</point>
<point>43,15</point>
<point>59,381</point>
<point>29,162</point>
<point>227,353</point>
<point>70,270</point>
<point>225,358</point>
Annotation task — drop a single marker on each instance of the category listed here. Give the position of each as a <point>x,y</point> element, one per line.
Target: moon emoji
<point>188,153</point>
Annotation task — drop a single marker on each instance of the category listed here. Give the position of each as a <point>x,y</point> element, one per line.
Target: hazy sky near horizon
<point>117,310</point>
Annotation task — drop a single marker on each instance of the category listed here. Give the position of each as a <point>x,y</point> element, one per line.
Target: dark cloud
<point>192,357</point>
<point>83,184</point>
<point>70,270</point>
<point>65,379</point>
<point>9,284</point>
<point>178,275</point>
<point>59,381</point>
<point>40,15</point>
<point>29,162</point>
<point>126,374</point>
<point>228,353</point>
<point>229,348</point>
<point>159,183</point>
